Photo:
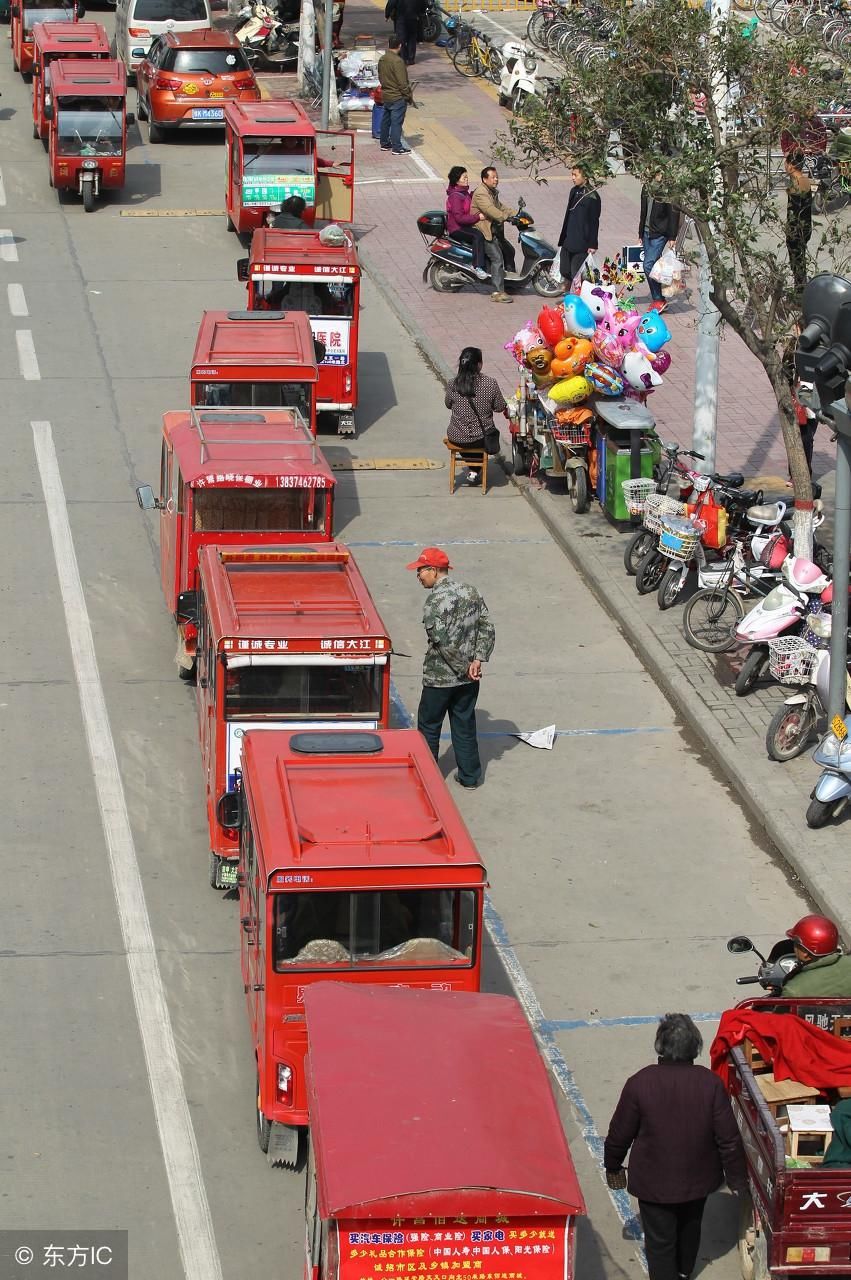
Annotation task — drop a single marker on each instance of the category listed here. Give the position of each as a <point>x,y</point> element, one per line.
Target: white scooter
<point>831,793</point>
<point>519,75</point>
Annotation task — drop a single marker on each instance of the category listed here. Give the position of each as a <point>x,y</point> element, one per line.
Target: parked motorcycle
<point>519,76</point>
<point>266,41</point>
<point>775,969</point>
<point>430,23</point>
<point>450,264</point>
<point>783,611</point>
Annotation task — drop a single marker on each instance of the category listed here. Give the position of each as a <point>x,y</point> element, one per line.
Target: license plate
<point>227,872</point>
<point>837,724</point>
<point>208,113</point>
<point>217,95</point>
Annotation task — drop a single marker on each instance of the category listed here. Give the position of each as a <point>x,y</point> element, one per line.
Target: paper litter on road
<point>543,738</point>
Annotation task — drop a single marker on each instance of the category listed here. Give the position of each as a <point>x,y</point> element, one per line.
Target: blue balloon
<point>653,331</point>
<point>578,317</point>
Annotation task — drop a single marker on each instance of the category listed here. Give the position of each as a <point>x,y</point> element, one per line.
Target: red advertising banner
<point>426,1249</point>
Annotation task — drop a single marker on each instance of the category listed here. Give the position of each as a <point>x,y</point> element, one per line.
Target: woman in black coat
<point>676,1122</point>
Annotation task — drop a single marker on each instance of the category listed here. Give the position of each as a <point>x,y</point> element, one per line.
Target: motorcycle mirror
<point>740,944</point>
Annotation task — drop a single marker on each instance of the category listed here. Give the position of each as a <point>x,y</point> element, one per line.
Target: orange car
<point>187,77</point>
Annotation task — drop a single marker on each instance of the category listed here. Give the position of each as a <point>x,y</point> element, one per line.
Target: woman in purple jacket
<point>460,222</point>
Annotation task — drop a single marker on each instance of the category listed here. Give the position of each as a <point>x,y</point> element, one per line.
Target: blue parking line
<point>455,542</point>
<point>637,1020</point>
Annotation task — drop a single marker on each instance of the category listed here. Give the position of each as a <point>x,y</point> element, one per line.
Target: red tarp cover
<point>416,1094</point>
<point>796,1049</point>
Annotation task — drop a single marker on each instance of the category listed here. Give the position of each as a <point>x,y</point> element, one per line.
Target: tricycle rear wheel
<point>753,1246</point>
<point>578,489</point>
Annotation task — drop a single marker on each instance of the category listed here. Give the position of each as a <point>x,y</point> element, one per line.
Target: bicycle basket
<point>657,505</point>
<point>635,492</point>
<point>679,536</point>
<point>791,660</point>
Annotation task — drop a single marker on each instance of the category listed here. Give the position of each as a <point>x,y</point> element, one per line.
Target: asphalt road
<point>619,863</point>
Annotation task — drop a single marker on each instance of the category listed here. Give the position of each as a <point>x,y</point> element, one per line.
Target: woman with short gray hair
<point>677,1122</point>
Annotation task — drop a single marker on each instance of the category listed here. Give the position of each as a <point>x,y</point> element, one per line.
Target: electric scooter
<point>519,76</point>
<point>450,264</point>
<point>782,611</point>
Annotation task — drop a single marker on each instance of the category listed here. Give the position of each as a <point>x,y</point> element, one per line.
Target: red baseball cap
<point>431,558</point>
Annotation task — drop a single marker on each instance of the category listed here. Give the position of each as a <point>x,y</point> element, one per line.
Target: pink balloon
<point>661,362</point>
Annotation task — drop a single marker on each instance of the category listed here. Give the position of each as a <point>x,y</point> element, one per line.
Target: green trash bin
<point>623,451</point>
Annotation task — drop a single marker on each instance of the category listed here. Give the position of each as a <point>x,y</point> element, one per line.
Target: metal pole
<point>327,62</point>
<point>841,552</point>
<point>708,351</point>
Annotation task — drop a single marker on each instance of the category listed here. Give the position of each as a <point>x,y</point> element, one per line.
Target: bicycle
<point>713,613</point>
<point>644,539</point>
<point>479,58</point>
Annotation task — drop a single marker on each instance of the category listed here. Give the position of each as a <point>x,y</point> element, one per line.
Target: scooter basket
<point>791,660</point>
<point>635,492</point>
<point>658,505</point>
<point>679,536</point>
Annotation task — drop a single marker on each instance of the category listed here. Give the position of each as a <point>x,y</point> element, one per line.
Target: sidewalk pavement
<point>456,124</point>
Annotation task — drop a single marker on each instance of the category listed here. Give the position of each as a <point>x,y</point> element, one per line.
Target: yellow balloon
<point>571,390</point>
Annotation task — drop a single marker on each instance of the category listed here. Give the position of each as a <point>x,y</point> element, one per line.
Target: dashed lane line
<point>27,359</point>
<point>17,300</point>
<point>8,247</point>
<point>2,189</point>
<point>196,1238</point>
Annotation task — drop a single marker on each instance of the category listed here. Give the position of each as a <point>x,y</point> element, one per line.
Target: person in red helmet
<point>824,971</point>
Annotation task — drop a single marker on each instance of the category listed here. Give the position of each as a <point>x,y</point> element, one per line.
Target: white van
<point>138,22</point>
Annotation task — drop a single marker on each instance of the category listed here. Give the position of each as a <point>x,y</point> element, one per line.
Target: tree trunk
<point>802,485</point>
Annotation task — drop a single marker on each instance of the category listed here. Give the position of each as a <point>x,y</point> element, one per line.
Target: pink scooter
<point>784,610</point>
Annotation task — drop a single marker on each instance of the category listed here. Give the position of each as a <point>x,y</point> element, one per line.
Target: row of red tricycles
<point>79,96</point>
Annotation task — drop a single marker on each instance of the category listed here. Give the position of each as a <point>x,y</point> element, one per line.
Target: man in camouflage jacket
<point>461,637</point>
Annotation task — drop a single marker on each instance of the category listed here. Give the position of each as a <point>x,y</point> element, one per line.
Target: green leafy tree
<point>698,108</point>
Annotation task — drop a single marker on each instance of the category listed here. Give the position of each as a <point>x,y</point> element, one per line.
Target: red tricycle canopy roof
<point>268,119</point>
<point>428,1102</point>
<point>81,77</point>
<point>251,448</point>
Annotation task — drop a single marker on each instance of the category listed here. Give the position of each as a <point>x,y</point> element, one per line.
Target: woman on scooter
<point>473,398</point>
<point>460,221</point>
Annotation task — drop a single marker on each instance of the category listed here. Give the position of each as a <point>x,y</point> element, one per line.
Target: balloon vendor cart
<point>587,368</point>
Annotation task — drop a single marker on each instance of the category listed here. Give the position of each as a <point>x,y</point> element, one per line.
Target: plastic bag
<point>590,270</point>
<point>667,268</point>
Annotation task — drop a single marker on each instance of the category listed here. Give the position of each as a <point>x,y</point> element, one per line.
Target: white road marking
<point>27,359</point>
<point>8,248</point>
<point>2,189</point>
<point>17,300</point>
<point>191,1209</point>
<point>425,167</point>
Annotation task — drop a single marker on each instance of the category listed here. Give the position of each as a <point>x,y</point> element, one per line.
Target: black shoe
<point>387,148</point>
<point>468,786</point>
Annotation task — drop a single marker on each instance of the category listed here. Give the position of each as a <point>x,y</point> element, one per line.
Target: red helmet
<point>815,934</point>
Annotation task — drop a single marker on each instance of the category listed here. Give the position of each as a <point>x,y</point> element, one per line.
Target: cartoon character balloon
<point>653,332</point>
<point>578,317</point>
<point>596,297</point>
<point>551,324</point>
<point>661,362</point>
<point>570,391</point>
<point>639,373</point>
<point>571,362</point>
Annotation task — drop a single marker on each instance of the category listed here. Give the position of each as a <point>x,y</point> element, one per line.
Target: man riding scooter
<point>494,214</point>
<point>824,971</point>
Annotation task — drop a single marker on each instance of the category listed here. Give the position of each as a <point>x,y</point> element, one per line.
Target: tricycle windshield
<point>89,126</point>
<point>289,510</point>
<point>344,690</point>
<point>276,155</point>
<point>428,928</point>
<point>323,298</point>
<point>49,12</point>
<point>263,395</point>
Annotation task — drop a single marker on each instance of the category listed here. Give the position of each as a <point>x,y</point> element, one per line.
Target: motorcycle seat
<point>768,513</point>
<point>734,480</point>
<point>741,498</point>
